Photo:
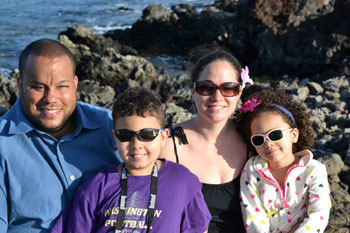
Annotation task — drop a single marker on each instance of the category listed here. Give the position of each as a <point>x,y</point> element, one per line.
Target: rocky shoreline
<point>302,46</point>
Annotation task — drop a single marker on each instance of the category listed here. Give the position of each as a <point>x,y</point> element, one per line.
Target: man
<point>49,142</point>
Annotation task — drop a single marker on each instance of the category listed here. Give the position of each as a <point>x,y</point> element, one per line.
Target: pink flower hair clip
<point>250,105</point>
<point>245,77</point>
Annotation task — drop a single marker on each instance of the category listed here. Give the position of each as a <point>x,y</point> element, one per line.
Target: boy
<point>144,193</point>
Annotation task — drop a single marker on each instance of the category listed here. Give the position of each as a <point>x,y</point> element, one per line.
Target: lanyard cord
<point>123,199</point>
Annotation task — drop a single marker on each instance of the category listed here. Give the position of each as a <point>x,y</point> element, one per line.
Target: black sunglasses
<point>274,135</point>
<point>208,88</point>
<point>146,135</point>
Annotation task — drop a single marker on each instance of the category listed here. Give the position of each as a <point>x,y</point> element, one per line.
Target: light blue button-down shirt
<point>39,174</point>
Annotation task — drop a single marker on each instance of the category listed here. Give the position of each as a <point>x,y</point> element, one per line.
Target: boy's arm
<point>319,202</point>
<point>196,216</point>
<point>254,215</point>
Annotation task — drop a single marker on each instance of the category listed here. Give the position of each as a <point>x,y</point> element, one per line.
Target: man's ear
<point>19,85</point>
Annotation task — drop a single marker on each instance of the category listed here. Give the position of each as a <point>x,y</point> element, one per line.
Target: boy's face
<point>139,156</point>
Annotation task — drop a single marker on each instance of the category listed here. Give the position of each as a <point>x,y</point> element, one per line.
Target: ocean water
<point>23,21</point>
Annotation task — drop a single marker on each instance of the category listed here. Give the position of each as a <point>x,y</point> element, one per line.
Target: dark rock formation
<point>274,37</point>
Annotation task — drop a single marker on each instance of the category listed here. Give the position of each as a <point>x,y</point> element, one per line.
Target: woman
<point>208,144</point>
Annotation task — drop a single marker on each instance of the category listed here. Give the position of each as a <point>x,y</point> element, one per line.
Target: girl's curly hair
<point>279,97</point>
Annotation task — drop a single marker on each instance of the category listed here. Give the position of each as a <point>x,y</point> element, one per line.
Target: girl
<point>283,189</point>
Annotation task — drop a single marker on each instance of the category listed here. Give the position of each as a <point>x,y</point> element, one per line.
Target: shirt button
<point>72,177</point>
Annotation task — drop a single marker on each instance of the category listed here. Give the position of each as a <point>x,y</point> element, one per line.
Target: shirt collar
<point>19,123</point>
<point>84,119</point>
<point>305,157</point>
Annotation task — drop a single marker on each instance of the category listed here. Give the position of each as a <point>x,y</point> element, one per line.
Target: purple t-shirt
<point>180,205</point>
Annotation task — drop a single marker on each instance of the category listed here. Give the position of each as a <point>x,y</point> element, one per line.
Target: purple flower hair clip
<point>250,105</point>
<point>245,77</point>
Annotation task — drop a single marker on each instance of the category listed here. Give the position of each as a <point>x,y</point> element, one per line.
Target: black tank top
<point>223,200</point>
<point>224,205</point>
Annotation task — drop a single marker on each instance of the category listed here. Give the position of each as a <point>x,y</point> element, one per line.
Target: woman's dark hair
<point>138,101</point>
<point>204,55</point>
<point>281,98</point>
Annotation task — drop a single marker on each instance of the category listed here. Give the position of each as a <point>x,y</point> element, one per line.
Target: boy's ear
<point>295,135</point>
<point>164,136</point>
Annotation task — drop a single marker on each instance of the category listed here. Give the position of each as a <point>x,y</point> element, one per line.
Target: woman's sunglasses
<point>274,135</point>
<point>208,88</point>
<point>146,135</point>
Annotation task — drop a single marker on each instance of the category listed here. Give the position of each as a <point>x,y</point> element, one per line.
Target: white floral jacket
<point>266,207</point>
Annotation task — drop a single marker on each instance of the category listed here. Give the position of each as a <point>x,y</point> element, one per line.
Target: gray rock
<point>8,91</point>
<point>345,95</point>
<point>339,194</point>
<point>175,114</point>
<point>303,93</point>
<point>341,106</point>
<point>90,91</point>
<point>155,13</point>
<point>331,95</point>
<point>335,84</point>
<point>333,163</point>
<point>344,175</point>
<point>315,88</point>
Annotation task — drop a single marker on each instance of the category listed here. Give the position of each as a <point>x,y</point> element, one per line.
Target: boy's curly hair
<point>279,97</point>
<point>140,102</point>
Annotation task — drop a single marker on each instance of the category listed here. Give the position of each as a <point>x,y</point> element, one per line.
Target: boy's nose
<point>135,142</point>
